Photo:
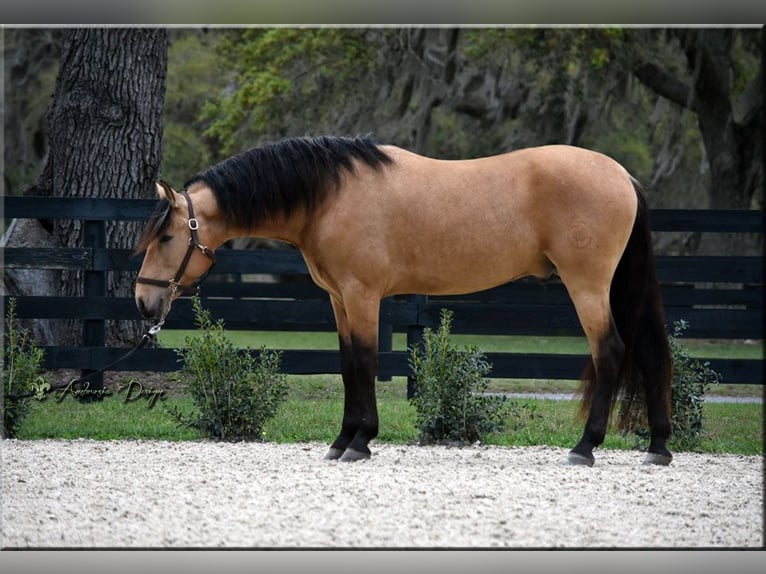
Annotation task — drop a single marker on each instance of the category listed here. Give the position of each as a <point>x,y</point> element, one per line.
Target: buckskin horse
<point>376,220</point>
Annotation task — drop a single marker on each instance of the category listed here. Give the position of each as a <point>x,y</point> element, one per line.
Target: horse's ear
<point>164,191</point>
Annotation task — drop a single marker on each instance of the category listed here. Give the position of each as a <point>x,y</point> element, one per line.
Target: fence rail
<point>720,297</point>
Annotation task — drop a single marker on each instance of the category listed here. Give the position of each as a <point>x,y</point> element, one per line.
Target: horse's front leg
<point>358,338</point>
<point>350,399</point>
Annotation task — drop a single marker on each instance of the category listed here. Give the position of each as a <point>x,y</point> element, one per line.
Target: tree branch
<point>661,81</point>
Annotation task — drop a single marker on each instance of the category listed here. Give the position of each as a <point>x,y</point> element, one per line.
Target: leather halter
<point>174,285</point>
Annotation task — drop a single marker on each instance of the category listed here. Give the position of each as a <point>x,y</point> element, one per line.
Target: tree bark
<point>105,128</point>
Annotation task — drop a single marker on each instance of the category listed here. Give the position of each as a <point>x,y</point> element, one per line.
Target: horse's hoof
<point>333,454</point>
<point>575,458</point>
<point>351,455</point>
<point>658,459</point>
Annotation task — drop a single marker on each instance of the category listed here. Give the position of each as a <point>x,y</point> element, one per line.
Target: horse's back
<point>551,173</point>
<point>526,195</point>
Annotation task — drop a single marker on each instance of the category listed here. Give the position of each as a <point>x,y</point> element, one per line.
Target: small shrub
<point>449,382</point>
<point>235,395</point>
<point>691,379</point>
<point>22,360</point>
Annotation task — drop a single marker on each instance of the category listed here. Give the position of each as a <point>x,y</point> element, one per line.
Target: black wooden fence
<point>720,298</point>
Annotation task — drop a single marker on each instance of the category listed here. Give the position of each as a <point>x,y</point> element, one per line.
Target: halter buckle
<point>193,224</point>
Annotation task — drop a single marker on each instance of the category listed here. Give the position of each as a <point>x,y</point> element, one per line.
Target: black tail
<point>636,304</point>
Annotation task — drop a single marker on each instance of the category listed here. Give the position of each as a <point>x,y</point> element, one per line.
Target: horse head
<point>177,258</point>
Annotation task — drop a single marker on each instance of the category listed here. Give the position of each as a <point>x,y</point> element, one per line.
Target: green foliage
<point>450,381</point>
<point>235,395</point>
<point>195,76</point>
<point>556,47</point>
<point>186,153</point>
<point>281,73</point>
<point>21,373</point>
<point>691,379</point>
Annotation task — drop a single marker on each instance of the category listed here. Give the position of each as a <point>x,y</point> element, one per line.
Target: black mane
<point>277,179</point>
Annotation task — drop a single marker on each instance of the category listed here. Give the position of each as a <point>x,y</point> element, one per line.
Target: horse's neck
<point>284,229</point>
<point>289,230</point>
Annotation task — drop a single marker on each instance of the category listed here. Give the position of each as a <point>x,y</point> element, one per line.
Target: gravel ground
<point>84,493</point>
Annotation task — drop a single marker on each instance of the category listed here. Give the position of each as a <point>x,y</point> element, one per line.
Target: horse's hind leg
<point>607,351</point>
<point>357,334</point>
<point>654,371</point>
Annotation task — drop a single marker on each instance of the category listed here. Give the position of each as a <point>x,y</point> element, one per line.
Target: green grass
<point>109,419</point>
<point>313,412</point>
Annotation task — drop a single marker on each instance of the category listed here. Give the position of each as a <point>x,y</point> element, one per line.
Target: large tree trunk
<point>707,53</point>
<point>105,128</point>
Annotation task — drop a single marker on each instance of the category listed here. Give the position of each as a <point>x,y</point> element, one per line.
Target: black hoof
<point>333,454</point>
<point>577,459</point>
<point>658,459</point>
<point>351,455</point>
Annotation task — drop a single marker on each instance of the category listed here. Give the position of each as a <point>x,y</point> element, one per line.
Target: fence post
<point>93,330</point>
<point>415,338</point>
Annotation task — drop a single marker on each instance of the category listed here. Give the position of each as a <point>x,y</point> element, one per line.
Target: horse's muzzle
<point>150,311</point>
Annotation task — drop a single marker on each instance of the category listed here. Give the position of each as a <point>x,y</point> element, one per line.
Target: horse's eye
<point>165,238</point>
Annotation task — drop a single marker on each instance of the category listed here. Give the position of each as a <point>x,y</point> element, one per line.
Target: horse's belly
<point>457,273</point>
